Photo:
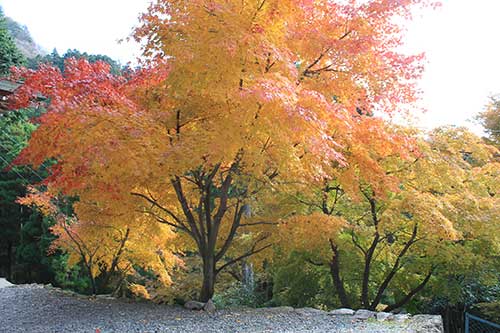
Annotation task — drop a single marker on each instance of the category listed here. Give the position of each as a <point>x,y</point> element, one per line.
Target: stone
<point>363,314</point>
<point>4,283</point>
<point>400,318</point>
<point>309,311</point>
<point>427,324</point>
<point>342,312</point>
<point>209,306</point>
<point>105,296</point>
<point>383,316</point>
<point>194,305</point>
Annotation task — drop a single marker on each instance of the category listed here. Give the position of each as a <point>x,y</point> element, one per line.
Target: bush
<point>299,284</point>
<point>489,311</point>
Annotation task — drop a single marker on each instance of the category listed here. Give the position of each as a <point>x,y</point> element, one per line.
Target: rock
<point>105,296</point>
<point>194,305</point>
<point>4,283</point>
<point>363,314</point>
<point>342,312</point>
<point>309,311</point>
<point>209,306</point>
<point>399,318</point>
<point>427,324</point>
<point>383,316</point>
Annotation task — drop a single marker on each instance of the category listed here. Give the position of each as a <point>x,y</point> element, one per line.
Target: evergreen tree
<point>9,53</point>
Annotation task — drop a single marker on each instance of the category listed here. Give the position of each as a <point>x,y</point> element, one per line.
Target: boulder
<point>194,305</point>
<point>4,283</point>
<point>383,316</point>
<point>209,306</point>
<point>342,312</point>
<point>427,324</point>
<point>363,314</point>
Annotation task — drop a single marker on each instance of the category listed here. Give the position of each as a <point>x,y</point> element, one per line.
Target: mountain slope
<point>23,39</point>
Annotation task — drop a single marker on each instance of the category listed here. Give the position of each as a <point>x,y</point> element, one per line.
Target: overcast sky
<point>460,39</point>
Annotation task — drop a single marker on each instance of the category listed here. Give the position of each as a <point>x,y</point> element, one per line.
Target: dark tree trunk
<point>209,276</point>
<point>9,260</point>
<point>202,217</point>
<point>337,280</point>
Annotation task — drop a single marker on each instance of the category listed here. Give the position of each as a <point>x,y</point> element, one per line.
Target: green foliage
<point>490,120</point>
<point>238,294</point>
<point>15,130</point>
<point>22,228</point>
<point>58,60</point>
<point>489,311</point>
<point>302,285</point>
<point>68,277</point>
<point>9,53</point>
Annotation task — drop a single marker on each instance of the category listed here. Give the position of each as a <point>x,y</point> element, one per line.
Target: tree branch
<point>395,267</point>
<point>238,212</point>
<point>412,293</point>
<point>200,240</point>
<point>247,254</point>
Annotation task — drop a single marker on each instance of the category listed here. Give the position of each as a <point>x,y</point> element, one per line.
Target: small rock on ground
<point>342,312</point>
<point>4,283</point>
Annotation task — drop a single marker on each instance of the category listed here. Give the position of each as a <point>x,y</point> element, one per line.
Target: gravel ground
<point>32,308</point>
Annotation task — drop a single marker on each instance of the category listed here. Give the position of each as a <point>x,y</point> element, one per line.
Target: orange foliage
<point>231,95</point>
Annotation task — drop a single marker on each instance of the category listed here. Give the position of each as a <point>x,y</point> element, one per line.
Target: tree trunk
<point>337,280</point>
<point>9,261</point>
<point>209,275</point>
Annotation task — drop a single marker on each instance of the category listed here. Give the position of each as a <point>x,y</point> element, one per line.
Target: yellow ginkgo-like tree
<point>421,217</point>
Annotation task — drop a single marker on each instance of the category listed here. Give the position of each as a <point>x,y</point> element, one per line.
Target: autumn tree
<point>233,97</point>
<point>490,120</point>
<point>108,250</point>
<point>422,216</point>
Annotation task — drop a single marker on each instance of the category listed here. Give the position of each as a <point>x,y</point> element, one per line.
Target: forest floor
<point>34,308</point>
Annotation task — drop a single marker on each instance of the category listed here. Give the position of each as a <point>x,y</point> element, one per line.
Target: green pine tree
<point>9,53</point>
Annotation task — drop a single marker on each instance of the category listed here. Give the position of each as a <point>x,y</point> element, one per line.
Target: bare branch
<point>247,254</point>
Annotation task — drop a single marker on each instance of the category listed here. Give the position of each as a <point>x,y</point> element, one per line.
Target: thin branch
<point>395,267</point>
<point>258,223</point>
<point>238,212</point>
<point>152,201</point>
<point>247,254</point>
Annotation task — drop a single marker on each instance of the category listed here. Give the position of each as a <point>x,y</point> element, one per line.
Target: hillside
<point>22,37</point>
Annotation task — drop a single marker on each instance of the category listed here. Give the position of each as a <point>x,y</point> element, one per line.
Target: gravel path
<point>33,308</point>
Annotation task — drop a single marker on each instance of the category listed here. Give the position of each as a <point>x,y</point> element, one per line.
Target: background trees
<point>490,120</point>
<point>385,240</point>
<point>9,53</point>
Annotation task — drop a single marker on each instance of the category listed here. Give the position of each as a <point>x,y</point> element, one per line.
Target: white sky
<point>460,40</point>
